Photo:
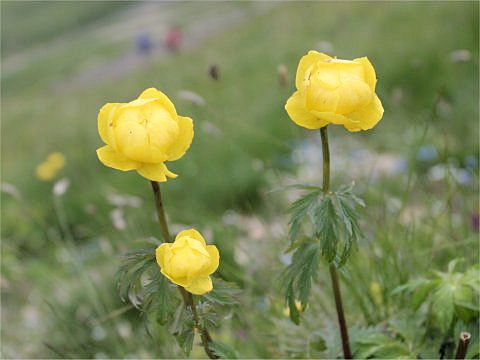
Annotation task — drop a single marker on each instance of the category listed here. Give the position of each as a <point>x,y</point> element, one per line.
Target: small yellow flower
<point>334,91</point>
<point>143,134</point>
<point>298,305</point>
<point>189,261</point>
<point>48,169</point>
<point>376,293</point>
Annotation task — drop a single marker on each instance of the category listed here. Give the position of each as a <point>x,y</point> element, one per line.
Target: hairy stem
<point>347,353</point>
<point>187,297</point>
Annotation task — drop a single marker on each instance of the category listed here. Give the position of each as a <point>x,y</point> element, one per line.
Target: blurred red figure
<point>173,38</point>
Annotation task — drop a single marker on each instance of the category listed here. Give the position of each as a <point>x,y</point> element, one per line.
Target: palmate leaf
<point>334,220</point>
<point>335,231</point>
<point>158,297</point>
<point>185,333</point>
<point>371,343</point>
<point>223,351</point>
<point>298,276</point>
<point>128,277</point>
<point>223,293</point>
<point>326,224</point>
<point>449,295</point>
<point>299,210</point>
<point>139,280</point>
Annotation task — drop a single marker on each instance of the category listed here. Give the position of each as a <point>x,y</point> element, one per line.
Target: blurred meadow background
<point>231,67</point>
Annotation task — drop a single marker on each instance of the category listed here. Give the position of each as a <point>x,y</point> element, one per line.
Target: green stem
<point>160,211</point>
<point>326,159</point>
<point>187,297</point>
<point>347,353</point>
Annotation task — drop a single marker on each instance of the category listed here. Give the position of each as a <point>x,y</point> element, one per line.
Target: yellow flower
<point>142,134</point>
<point>189,261</point>
<point>298,305</point>
<point>376,292</point>
<point>334,91</point>
<point>48,169</point>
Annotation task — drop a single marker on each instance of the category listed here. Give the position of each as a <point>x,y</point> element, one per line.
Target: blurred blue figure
<point>427,153</point>
<point>462,176</point>
<point>471,162</point>
<point>144,43</point>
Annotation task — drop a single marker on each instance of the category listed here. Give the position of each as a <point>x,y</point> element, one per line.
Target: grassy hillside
<point>59,254</point>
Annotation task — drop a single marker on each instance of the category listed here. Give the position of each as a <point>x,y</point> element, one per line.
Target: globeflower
<point>189,261</point>
<point>334,91</point>
<point>143,134</point>
<point>48,169</point>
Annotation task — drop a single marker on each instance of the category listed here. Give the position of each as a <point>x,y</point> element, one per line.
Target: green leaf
<point>421,294</point>
<point>158,297</point>
<point>354,233</point>
<point>128,277</point>
<point>297,243</point>
<point>299,210</point>
<point>443,306</point>
<point>410,286</point>
<point>465,300</point>
<point>346,192</point>
<point>185,335</point>
<point>318,344</point>
<point>379,345</point>
<point>298,276</point>
<point>325,229</point>
<point>453,264</point>
<point>185,340</point>
<point>294,314</point>
<point>223,351</point>
<point>223,293</point>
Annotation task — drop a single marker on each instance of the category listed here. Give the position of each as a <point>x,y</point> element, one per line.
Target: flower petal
<point>366,117</point>
<point>305,64</point>
<point>160,254</point>
<point>109,157</point>
<point>297,111</point>
<point>193,234</point>
<point>152,93</point>
<point>200,286</point>
<point>369,72</point>
<point>182,281</point>
<point>185,137</point>
<point>155,172</point>
<point>214,258</point>
<point>104,123</point>
<point>330,117</point>
<point>198,246</point>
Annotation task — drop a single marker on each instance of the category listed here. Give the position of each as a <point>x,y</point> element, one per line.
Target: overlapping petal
<point>109,157</point>
<point>305,66</point>
<point>299,114</point>
<point>184,140</point>
<point>189,261</point>
<point>366,117</point>
<point>334,91</point>
<point>155,172</point>
<point>143,134</point>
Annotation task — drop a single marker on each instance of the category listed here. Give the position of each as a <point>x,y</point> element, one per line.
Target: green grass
<point>409,44</point>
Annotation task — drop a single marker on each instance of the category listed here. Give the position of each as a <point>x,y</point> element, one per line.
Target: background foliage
<point>417,171</point>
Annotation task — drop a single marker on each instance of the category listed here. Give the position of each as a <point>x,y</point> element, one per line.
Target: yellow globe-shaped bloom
<point>143,134</point>
<point>189,261</point>
<point>334,91</point>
